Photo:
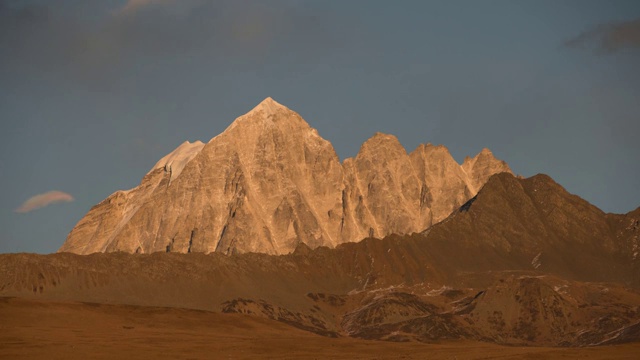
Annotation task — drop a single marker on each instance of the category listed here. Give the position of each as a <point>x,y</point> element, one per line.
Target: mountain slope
<point>536,224</point>
<point>522,263</point>
<point>270,182</point>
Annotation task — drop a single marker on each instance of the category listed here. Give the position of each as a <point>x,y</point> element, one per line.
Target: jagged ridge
<point>524,263</point>
<point>270,182</point>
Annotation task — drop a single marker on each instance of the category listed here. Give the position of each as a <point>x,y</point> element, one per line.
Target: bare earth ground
<point>31,329</point>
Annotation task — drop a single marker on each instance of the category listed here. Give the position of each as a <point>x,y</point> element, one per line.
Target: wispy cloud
<point>40,39</point>
<point>133,6</point>
<point>609,38</point>
<point>42,200</point>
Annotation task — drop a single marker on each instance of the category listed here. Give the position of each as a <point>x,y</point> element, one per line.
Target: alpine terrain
<point>261,243</point>
<point>269,182</point>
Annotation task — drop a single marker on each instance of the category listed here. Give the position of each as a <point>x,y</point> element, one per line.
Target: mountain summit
<point>269,182</point>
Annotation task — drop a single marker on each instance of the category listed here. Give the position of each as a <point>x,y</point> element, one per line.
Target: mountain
<point>269,182</point>
<point>523,262</point>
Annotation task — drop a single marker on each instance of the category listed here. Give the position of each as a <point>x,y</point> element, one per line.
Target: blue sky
<point>93,93</point>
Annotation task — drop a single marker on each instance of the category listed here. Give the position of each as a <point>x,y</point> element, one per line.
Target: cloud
<point>609,38</point>
<point>40,39</point>
<point>42,200</point>
<point>133,5</point>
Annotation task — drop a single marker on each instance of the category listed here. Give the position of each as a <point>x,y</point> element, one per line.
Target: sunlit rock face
<point>270,182</point>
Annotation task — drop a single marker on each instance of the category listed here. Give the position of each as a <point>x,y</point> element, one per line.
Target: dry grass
<point>33,329</point>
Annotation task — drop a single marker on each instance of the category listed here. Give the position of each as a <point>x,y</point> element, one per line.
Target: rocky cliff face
<point>270,182</point>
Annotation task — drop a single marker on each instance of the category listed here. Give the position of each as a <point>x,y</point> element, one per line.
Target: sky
<point>93,93</point>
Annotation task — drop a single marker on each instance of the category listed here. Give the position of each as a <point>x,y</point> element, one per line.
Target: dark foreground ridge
<point>525,263</point>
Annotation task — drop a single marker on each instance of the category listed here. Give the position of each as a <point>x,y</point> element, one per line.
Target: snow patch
<point>175,161</point>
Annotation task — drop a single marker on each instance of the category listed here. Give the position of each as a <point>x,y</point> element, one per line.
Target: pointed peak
<point>539,181</point>
<point>381,142</point>
<point>266,114</point>
<point>382,139</point>
<point>484,154</point>
<point>421,148</point>
<point>268,106</point>
<point>483,165</point>
<point>438,148</point>
<point>501,178</point>
<point>379,136</point>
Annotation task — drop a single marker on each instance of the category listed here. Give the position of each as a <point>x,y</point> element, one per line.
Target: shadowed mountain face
<point>523,262</point>
<point>535,223</point>
<point>270,182</point>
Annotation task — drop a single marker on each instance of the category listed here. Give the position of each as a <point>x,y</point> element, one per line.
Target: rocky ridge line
<point>269,182</point>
